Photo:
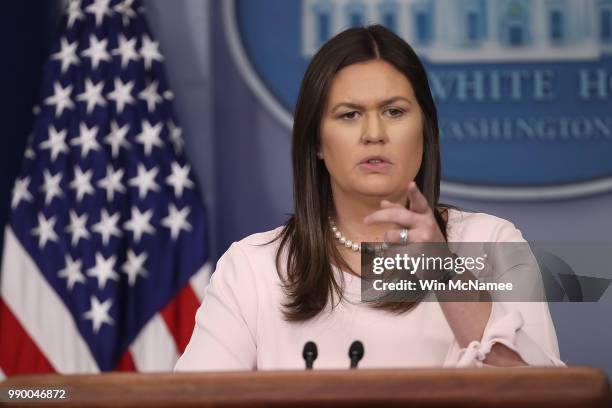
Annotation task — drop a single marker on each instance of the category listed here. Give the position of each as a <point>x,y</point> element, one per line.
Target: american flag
<point>105,254</point>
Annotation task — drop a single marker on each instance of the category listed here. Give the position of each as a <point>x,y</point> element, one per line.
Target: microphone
<point>309,354</point>
<point>356,353</point>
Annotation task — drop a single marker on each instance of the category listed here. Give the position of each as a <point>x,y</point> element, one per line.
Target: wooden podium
<point>579,387</point>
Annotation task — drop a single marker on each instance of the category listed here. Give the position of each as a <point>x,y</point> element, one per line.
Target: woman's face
<point>371,131</point>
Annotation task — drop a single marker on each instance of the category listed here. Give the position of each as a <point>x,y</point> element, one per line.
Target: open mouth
<point>375,163</point>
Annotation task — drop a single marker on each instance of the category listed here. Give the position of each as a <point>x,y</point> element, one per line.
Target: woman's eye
<point>394,113</point>
<point>349,115</point>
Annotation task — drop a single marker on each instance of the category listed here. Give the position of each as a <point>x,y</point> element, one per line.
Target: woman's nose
<point>374,130</point>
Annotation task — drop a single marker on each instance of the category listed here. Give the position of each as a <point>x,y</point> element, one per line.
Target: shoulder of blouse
<point>262,238</point>
<point>254,252</point>
<point>480,227</point>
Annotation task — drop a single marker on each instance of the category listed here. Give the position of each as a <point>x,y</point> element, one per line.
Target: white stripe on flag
<point>41,312</point>
<point>154,348</point>
<point>199,281</point>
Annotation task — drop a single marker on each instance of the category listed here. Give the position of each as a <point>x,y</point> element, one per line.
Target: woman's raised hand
<point>418,219</point>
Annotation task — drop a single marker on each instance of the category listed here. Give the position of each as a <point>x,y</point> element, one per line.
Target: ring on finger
<point>403,236</point>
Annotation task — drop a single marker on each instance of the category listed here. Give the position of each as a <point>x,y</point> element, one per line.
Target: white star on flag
<point>56,142</point>
<point>74,12</point>
<point>100,9</point>
<point>134,266</point>
<point>112,182</point>
<point>176,220</point>
<point>97,51</point>
<point>125,9</point>
<point>150,96</point>
<point>150,51</point>
<point>92,95</point>
<point>82,183</point>
<point>77,227</point>
<point>149,136</point>
<point>139,223</point>
<point>98,313</point>
<point>29,153</point>
<point>87,139</point>
<point>176,136</point>
<point>103,270</point>
<point>122,94</point>
<point>107,226</point>
<point>51,186</point>
<point>126,49</point>
<point>21,192</point>
<point>45,230</point>
<point>67,54</point>
<point>179,179</point>
<point>72,272</point>
<point>144,180</point>
<point>60,98</point>
<point>117,138</point>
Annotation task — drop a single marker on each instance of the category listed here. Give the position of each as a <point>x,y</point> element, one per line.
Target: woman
<point>366,168</point>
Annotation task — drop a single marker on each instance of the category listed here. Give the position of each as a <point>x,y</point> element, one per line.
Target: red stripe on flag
<point>126,363</point>
<point>18,353</point>
<point>179,316</point>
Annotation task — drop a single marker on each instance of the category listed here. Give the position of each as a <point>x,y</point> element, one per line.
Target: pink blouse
<point>240,326</point>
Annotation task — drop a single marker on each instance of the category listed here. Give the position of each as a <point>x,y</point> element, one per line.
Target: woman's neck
<point>350,212</point>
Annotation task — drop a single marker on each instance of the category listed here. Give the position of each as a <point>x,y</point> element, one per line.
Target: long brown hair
<point>306,239</point>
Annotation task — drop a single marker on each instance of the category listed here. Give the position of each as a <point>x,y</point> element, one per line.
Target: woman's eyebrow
<point>383,103</point>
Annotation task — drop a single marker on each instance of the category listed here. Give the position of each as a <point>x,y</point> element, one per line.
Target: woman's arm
<point>485,332</point>
<point>468,321</point>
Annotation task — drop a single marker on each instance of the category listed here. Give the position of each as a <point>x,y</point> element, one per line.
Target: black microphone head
<point>356,351</point>
<point>310,351</point>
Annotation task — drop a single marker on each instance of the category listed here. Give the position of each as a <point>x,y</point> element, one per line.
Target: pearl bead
<point>343,240</point>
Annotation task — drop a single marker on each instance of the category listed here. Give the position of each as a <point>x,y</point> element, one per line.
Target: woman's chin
<point>380,187</point>
<point>379,190</point>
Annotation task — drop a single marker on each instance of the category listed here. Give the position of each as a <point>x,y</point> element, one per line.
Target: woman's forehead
<point>370,82</point>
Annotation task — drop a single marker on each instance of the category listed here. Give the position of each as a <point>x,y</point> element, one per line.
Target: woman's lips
<point>376,164</point>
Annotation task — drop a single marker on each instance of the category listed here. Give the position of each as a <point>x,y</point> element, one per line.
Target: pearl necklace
<point>343,240</point>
